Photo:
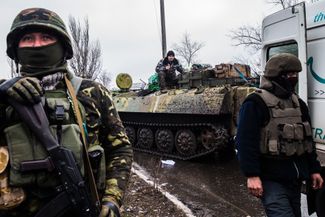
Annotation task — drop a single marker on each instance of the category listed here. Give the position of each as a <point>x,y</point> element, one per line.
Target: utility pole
<point>163,28</point>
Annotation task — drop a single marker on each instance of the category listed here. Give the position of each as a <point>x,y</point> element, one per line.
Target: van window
<point>283,48</point>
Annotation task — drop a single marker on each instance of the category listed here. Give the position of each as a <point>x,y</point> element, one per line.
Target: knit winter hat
<point>170,53</point>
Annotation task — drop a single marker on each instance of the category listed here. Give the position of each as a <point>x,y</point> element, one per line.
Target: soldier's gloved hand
<point>26,90</point>
<point>109,209</point>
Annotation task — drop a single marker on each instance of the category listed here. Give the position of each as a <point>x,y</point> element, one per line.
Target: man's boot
<point>162,82</point>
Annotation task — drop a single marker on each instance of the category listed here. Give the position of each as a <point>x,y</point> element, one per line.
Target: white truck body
<point>301,30</point>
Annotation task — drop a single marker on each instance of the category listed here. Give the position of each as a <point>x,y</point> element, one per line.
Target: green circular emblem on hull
<point>124,81</point>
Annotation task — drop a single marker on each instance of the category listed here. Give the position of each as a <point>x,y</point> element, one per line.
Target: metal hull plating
<point>183,123</point>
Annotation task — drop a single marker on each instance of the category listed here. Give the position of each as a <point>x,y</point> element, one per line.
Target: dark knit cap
<point>170,53</point>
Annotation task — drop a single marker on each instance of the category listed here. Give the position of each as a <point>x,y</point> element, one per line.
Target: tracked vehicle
<point>194,119</point>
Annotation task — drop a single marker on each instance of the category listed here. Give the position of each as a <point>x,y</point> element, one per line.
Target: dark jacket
<point>253,116</point>
<point>161,66</point>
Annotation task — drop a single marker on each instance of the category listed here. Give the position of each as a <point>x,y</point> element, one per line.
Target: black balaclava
<point>283,86</point>
<point>44,60</point>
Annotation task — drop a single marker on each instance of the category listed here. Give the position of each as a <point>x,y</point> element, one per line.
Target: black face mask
<point>293,81</point>
<point>44,57</point>
<point>283,87</point>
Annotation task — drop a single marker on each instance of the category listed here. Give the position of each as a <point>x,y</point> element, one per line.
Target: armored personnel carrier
<point>194,119</point>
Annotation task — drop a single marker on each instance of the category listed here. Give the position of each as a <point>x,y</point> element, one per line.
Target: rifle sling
<point>91,179</point>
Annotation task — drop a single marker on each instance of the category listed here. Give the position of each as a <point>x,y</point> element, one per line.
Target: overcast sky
<point>129,30</point>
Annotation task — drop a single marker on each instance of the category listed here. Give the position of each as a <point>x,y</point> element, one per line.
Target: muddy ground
<point>144,200</point>
<point>207,187</point>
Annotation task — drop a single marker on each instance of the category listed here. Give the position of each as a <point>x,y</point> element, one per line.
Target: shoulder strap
<point>76,82</point>
<point>260,103</point>
<point>295,100</point>
<point>270,99</point>
<point>75,106</point>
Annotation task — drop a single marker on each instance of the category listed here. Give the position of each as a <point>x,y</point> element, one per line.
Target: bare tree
<point>284,3</point>
<point>86,61</point>
<point>188,49</point>
<point>247,36</point>
<point>105,78</point>
<point>250,36</point>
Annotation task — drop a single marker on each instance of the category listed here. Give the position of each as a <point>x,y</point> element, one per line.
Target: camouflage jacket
<point>174,65</point>
<point>105,128</point>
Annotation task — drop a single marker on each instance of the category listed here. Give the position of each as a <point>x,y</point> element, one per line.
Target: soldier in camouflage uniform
<point>39,42</point>
<point>166,69</point>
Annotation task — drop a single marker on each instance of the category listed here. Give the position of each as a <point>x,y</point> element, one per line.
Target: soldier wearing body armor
<point>166,69</point>
<point>274,140</point>
<point>38,42</point>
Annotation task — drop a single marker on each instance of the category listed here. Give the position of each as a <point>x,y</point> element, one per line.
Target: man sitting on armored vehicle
<point>166,69</point>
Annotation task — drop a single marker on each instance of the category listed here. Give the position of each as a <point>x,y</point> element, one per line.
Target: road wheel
<point>208,139</point>
<point>145,138</point>
<point>165,140</point>
<point>185,142</point>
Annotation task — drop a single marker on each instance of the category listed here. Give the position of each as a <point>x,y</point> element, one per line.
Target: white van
<point>300,30</point>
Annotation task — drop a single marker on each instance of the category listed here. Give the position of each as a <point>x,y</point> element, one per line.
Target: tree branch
<point>248,36</point>
<point>87,61</point>
<point>284,3</point>
<point>188,49</point>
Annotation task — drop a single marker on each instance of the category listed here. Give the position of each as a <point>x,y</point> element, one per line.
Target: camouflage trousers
<point>167,79</point>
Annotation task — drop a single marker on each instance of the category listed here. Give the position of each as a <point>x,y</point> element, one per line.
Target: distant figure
<point>166,69</point>
<point>276,150</point>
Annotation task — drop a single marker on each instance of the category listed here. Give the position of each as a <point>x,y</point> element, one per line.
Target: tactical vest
<point>24,147</point>
<point>285,134</point>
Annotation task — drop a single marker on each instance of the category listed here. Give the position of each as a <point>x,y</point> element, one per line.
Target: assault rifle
<point>74,193</point>
<point>175,67</point>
